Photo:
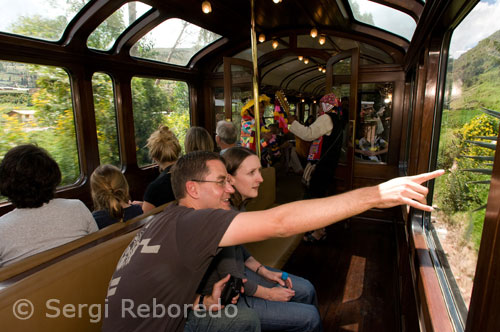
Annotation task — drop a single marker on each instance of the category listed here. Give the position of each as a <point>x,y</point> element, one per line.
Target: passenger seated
<point>282,301</point>
<point>28,178</point>
<point>198,139</point>
<point>111,198</point>
<point>226,135</point>
<point>164,150</point>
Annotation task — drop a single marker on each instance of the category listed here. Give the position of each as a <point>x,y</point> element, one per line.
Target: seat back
<point>66,296</point>
<point>41,259</point>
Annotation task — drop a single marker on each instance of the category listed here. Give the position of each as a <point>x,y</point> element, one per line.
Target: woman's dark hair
<point>29,176</point>
<point>233,157</point>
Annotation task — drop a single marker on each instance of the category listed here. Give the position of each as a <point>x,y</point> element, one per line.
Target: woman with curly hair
<point>164,150</point>
<point>28,178</point>
<point>111,197</point>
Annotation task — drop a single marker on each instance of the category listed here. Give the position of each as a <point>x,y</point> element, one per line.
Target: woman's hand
<point>276,277</point>
<point>279,294</point>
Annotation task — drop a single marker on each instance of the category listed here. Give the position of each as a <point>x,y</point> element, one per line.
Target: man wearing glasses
<point>159,272</point>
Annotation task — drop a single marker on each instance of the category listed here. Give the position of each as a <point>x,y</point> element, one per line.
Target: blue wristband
<point>284,276</point>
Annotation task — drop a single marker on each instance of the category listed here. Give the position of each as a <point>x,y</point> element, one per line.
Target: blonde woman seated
<point>111,198</point>
<point>164,150</point>
<point>282,301</point>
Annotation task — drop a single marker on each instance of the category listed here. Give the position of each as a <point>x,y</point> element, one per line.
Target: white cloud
<point>481,22</point>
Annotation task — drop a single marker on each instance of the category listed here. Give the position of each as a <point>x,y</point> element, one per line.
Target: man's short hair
<point>191,166</point>
<point>29,176</point>
<point>227,132</point>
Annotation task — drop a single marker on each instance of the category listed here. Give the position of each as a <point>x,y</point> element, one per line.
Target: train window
<point>157,102</point>
<point>105,35</point>
<point>38,19</point>
<point>105,116</point>
<point>174,41</point>
<point>469,130</point>
<point>374,119</point>
<point>383,17</point>
<point>36,107</point>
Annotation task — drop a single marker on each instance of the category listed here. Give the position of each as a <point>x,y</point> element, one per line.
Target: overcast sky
<point>483,21</point>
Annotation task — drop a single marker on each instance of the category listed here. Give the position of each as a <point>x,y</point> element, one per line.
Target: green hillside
<point>479,71</point>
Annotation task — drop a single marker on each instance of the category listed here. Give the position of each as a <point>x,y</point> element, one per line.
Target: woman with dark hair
<point>164,150</point>
<point>111,197</point>
<point>282,301</point>
<point>28,178</point>
<point>198,139</point>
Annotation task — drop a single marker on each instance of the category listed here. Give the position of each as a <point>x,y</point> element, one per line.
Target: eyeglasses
<point>221,183</point>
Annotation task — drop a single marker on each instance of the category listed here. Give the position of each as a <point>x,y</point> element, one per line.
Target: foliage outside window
<point>36,107</point>
<point>105,116</point>
<point>105,35</point>
<point>467,142</point>
<point>156,102</point>
<point>38,19</point>
<point>174,41</point>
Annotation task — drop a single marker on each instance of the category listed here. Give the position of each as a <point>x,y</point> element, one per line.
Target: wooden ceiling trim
<point>411,7</point>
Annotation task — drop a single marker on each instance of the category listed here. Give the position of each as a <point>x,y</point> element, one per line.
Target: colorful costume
<point>247,136</point>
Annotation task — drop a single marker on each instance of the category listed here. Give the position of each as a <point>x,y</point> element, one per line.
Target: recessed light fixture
<point>206,7</point>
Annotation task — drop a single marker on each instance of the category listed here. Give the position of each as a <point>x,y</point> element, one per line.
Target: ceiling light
<point>302,100</point>
<point>320,69</point>
<point>276,1</point>
<point>301,58</point>
<point>275,44</point>
<point>262,38</point>
<point>322,40</point>
<point>206,7</point>
<point>314,101</point>
<point>314,32</point>
<point>306,61</point>
<point>324,70</point>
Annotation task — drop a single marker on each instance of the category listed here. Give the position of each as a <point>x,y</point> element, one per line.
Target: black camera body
<point>231,289</point>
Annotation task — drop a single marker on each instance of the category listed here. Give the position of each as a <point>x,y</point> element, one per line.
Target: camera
<point>231,289</point>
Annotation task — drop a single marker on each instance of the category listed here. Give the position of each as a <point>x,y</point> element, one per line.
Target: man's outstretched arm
<point>301,216</point>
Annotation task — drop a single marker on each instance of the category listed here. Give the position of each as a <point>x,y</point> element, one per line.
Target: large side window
<point>157,102</point>
<point>468,137</point>
<point>105,116</point>
<point>36,107</point>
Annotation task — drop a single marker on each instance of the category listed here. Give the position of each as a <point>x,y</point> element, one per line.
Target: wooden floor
<point>354,271</point>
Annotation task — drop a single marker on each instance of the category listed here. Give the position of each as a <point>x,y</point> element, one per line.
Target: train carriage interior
<point>418,81</point>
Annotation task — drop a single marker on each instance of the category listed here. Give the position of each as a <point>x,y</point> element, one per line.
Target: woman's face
<point>247,177</point>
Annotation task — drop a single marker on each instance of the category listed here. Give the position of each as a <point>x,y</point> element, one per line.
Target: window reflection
<point>373,122</point>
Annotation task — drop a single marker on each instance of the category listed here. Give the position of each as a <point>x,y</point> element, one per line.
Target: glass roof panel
<point>174,41</point>
<point>105,35</point>
<point>383,17</point>
<point>44,20</point>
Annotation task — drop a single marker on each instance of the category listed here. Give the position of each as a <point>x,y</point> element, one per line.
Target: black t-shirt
<point>162,267</point>
<point>103,219</point>
<point>160,191</point>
